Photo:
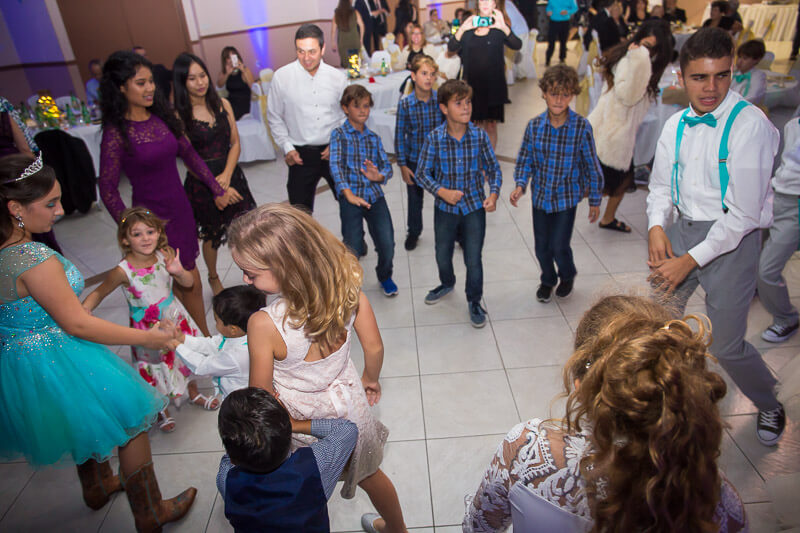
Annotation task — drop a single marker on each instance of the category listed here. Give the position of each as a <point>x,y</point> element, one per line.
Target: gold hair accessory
<point>32,169</point>
<point>147,212</point>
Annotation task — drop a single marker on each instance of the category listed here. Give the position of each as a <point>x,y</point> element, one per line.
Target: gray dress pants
<point>784,237</point>
<point>729,282</point>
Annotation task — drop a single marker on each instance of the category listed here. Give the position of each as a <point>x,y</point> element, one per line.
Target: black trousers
<point>559,29</point>
<point>303,179</point>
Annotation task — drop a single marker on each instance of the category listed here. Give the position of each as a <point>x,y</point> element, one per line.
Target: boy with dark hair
<point>712,169</point>
<point>224,357</point>
<point>359,167</point>
<point>748,80</point>
<point>454,162</point>
<point>265,488</point>
<point>417,114</point>
<point>558,157</point>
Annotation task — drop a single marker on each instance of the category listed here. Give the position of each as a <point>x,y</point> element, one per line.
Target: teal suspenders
<point>724,176</point>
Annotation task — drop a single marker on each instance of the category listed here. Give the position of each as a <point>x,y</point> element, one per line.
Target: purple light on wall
<point>30,28</point>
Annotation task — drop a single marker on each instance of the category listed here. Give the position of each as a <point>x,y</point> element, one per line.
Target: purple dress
<point>151,168</point>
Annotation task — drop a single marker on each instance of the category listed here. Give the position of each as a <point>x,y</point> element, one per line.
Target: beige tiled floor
<point>450,392</point>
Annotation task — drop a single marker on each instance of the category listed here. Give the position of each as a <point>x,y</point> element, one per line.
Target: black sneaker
<point>434,295</point>
<point>544,293</point>
<point>477,315</point>
<point>770,426</point>
<point>565,288</point>
<point>778,333</point>
<point>411,241</point>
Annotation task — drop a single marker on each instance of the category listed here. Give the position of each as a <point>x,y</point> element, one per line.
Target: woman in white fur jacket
<point>631,71</point>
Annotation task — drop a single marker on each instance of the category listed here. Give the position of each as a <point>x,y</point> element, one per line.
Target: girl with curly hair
<point>638,448</point>
<point>300,343</point>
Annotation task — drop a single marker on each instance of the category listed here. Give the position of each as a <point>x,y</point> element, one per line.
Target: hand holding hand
<point>490,204</point>
<point>234,196</point>
<point>451,196</point>
<point>371,171</point>
<point>222,201</point>
<point>158,338</point>
<point>659,247</point>
<point>224,180</point>
<point>516,194</point>
<point>666,275</point>
<point>293,158</point>
<point>372,389</point>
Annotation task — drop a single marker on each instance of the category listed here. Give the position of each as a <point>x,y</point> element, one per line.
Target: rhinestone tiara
<point>32,169</point>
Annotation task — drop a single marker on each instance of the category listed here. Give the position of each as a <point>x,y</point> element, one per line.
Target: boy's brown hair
<point>423,59</point>
<point>355,93</point>
<point>453,89</point>
<point>753,49</point>
<point>561,77</point>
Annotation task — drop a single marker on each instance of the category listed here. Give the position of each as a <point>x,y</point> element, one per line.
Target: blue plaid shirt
<point>415,119</point>
<point>560,162</point>
<point>349,148</point>
<point>460,165</point>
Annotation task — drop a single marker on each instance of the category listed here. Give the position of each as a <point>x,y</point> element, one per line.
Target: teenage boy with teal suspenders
<point>712,170</point>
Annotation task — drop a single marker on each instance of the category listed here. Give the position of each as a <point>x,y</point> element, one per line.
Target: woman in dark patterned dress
<point>211,128</point>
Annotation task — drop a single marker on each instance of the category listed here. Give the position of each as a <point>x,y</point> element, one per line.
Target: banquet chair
<point>70,159</point>
<point>450,66</point>
<point>526,67</point>
<point>377,57</point>
<point>265,77</point>
<point>254,140</point>
<point>63,102</point>
<point>766,61</point>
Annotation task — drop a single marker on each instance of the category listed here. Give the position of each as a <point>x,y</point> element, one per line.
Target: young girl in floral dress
<point>146,273</point>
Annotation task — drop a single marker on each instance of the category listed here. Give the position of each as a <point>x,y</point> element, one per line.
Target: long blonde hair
<point>651,400</point>
<point>319,278</point>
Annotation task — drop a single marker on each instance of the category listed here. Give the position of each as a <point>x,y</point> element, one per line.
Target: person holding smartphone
<point>481,40</point>
<point>237,80</point>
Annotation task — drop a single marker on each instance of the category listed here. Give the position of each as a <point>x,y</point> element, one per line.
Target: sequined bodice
<point>21,316</point>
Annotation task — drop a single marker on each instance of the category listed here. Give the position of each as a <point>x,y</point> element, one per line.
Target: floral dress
<point>150,299</point>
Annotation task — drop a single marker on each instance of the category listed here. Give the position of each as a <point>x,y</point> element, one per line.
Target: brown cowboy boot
<point>98,483</point>
<point>150,512</point>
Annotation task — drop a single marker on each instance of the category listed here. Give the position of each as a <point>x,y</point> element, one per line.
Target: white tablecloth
<point>650,130</point>
<point>91,135</point>
<point>382,122</point>
<point>761,14</point>
<point>777,96</point>
<point>386,89</point>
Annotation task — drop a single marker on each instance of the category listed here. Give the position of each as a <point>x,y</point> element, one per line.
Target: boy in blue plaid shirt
<point>359,167</point>
<point>455,161</point>
<point>417,114</point>
<point>558,156</point>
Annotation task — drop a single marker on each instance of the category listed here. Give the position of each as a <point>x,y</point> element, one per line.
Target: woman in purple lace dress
<point>211,128</point>
<point>142,137</point>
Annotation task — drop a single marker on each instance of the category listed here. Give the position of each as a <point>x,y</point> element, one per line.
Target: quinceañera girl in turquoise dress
<point>57,411</point>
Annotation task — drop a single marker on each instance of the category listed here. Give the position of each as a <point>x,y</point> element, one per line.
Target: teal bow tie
<point>741,77</point>
<point>708,119</point>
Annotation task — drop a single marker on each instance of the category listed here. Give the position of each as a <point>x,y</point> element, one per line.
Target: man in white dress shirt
<point>302,111</point>
<point>715,241</point>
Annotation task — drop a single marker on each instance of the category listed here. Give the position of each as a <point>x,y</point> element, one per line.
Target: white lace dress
<point>547,461</point>
<point>327,388</point>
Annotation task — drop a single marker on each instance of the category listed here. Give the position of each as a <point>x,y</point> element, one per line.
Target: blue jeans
<point>379,223</point>
<point>552,233</point>
<point>471,229</point>
<point>415,199</point>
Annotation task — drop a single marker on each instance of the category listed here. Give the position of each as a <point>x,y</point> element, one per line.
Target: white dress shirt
<point>753,142</point>
<point>228,362</point>
<point>787,177</point>
<point>303,109</point>
<point>757,89</point>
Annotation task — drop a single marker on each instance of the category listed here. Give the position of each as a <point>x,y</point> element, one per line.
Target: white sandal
<point>165,420</point>
<point>208,403</point>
